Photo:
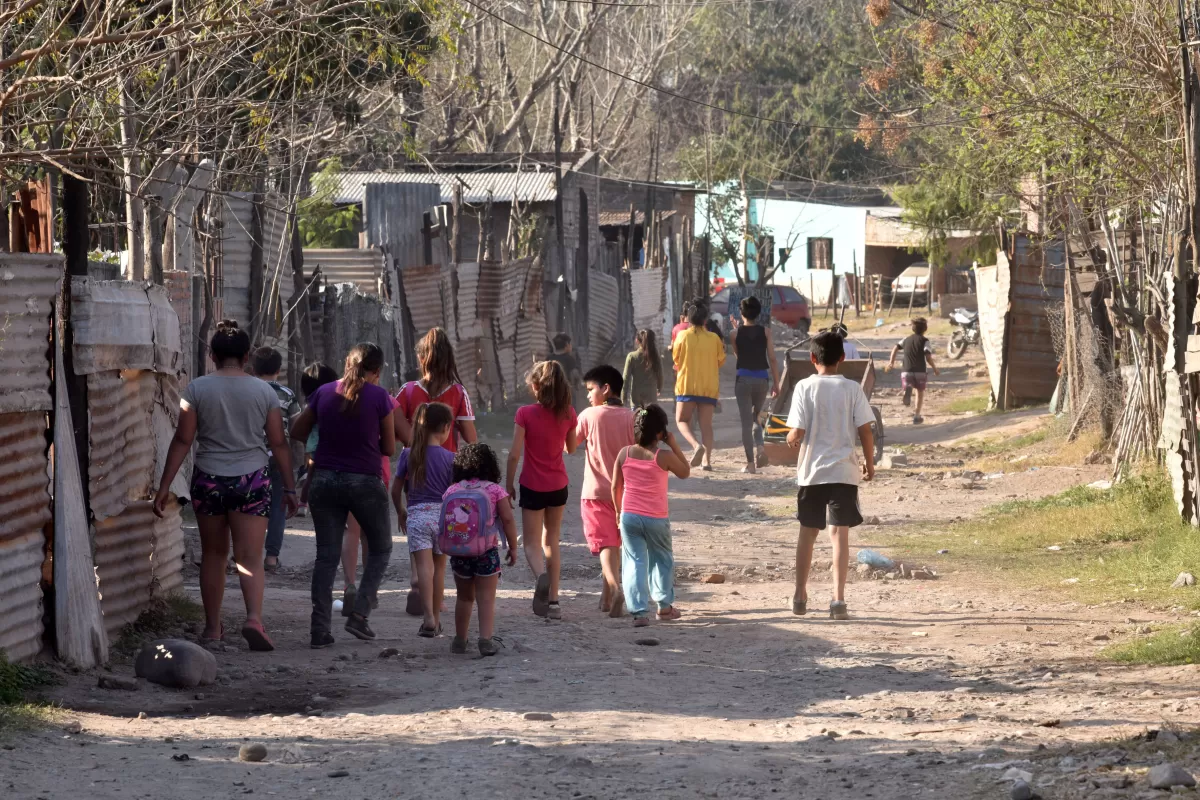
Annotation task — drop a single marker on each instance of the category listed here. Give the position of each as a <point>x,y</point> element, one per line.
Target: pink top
<point>603,430</point>
<point>645,488</point>
<point>545,437</point>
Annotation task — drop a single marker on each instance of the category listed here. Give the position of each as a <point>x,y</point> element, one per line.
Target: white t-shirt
<point>851,349</point>
<point>829,409</point>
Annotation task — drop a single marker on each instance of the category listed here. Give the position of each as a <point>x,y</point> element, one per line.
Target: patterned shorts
<point>484,566</point>
<point>217,495</point>
<point>423,522</point>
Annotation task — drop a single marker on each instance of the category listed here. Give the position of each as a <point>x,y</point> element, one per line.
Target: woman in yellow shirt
<point>698,356</point>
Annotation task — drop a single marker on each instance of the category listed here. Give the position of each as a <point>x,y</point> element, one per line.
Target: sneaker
<point>799,607</point>
<point>541,595</point>
<point>907,399</point>
<point>357,626</point>
<point>348,598</point>
<point>838,610</point>
<point>487,647</point>
<point>321,640</point>
<point>553,611</point>
<point>458,647</point>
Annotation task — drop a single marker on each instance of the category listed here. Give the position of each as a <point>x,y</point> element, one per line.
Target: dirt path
<point>922,694</point>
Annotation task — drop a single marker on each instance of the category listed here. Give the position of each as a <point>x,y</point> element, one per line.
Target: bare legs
<point>839,536</point>
<point>248,534</point>
<point>706,430</point>
<point>431,583</point>
<point>610,566</point>
<point>541,532</point>
<point>683,418</point>
<point>920,402</point>
<point>470,592</point>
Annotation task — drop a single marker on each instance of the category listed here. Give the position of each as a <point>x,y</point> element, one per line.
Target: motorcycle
<point>965,333</point>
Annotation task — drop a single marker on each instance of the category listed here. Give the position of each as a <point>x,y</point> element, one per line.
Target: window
<point>820,253</point>
<point>788,295</point>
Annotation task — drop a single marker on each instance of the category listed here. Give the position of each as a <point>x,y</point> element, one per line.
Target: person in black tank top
<point>757,378</point>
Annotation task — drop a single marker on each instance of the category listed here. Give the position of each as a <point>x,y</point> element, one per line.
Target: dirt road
<point>933,689</point>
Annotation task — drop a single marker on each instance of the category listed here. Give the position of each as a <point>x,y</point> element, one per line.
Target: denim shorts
<point>218,495</point>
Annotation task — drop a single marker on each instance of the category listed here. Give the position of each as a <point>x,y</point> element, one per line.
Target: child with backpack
<point>472,509</point>
<point>543,431</point>
<point>604,428</point>
<point>639,490</point>
<point>424,472</point>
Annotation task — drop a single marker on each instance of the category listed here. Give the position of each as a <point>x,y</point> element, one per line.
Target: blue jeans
<point>277,521</point>
<point>647,563</point>
<point>331,498</point>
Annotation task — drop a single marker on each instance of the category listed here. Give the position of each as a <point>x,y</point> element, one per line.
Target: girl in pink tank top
<point>640,494</point>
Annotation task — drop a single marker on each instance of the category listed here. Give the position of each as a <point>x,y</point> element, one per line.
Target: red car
<point>788,307</point>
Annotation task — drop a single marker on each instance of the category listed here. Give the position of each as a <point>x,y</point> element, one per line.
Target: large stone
<point>176,663</point>
<point>1164,776</point>
<point>714,577</point>
<point>1185,579</point>
<point>252,752</point>
<point>1020,791</point>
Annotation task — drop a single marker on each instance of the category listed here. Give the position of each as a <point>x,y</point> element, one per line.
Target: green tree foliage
<point>322,222</point>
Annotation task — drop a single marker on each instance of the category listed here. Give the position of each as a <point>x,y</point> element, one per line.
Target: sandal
<point>541,595</point>
<point>674,613</point>
<point>640,622</point>
<point>618,607</point>
<point>269,567</point>
<point>799,607</point>
<point>413,606</point>
<point>205,640</point>
<point>429,633</point>
<point>256,636</point>
<point>698,456</point>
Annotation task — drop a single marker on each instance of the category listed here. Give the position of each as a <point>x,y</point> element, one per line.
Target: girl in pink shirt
<point>639,489</point>
<point>543,431</point>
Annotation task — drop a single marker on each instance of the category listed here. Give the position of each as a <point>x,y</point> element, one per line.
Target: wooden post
<point>858,294</point>
<point>253,325</point>
<point>152,238</point>
<point>629,239</point>
<point>455,209</point>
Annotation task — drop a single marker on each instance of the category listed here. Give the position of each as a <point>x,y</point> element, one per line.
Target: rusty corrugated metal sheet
<point>466,355</point>
<point>126,566</point>
<point>1036,291</point>
<point>449,300</point>
<point>423,294</point>
<point>991,286</point>
<point>513,278</point>
<point>28,284</point>
<point>121,459</point>
<point>602,312</point>
<point>24,512</point>
<point>470,322</point>
<point>363,268</point>
<point>531,346</point>
<point>501,186</point>
<point>488,299</point>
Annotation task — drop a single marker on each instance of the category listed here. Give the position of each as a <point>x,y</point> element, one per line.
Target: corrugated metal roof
<point>121,432</point>
<point>28,284</point>
<point>612,219</point>
<point>501,186</point>
<point>363,268</point>
<point>125,560</point>
<point>24,512</point>
<point>123,325</point>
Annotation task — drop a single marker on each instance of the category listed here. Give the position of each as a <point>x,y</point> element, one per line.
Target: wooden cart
<point>797,367</point>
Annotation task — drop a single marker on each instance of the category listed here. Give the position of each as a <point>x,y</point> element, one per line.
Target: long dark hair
<point>435,354</point>
<point>363,359</point>
<point>649,425</point>
<point>648,347</point>
<point>431,418</point>
<point>229,342</point>
<point>550,388</point>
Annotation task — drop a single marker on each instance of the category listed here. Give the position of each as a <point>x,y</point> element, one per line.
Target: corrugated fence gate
<point>127,344</point>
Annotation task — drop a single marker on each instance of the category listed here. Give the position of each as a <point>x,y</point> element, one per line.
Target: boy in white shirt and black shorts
<point>828,413</point>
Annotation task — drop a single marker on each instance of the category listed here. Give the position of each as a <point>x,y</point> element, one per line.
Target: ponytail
<point>431,418</point>
<point>362,360</point>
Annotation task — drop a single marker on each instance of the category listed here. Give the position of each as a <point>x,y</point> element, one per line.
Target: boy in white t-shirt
<point>828,413</point>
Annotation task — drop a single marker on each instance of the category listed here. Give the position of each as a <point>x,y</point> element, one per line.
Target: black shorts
<point>540,501</point>
<point>841,499</point>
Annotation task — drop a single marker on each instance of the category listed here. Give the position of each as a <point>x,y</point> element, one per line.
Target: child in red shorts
<point>604,429</point>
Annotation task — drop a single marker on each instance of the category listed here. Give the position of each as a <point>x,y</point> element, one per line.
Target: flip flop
<point>204,640</point>
<point>256,636</point>
<point>698,456</point>
<point>799,607</point>
<point>413,606</point>
<point>618,607</point>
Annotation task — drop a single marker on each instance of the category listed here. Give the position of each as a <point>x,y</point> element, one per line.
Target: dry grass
<point>1126,543</point>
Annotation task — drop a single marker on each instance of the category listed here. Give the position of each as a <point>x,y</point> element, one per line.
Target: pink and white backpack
<point>467,526</point>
